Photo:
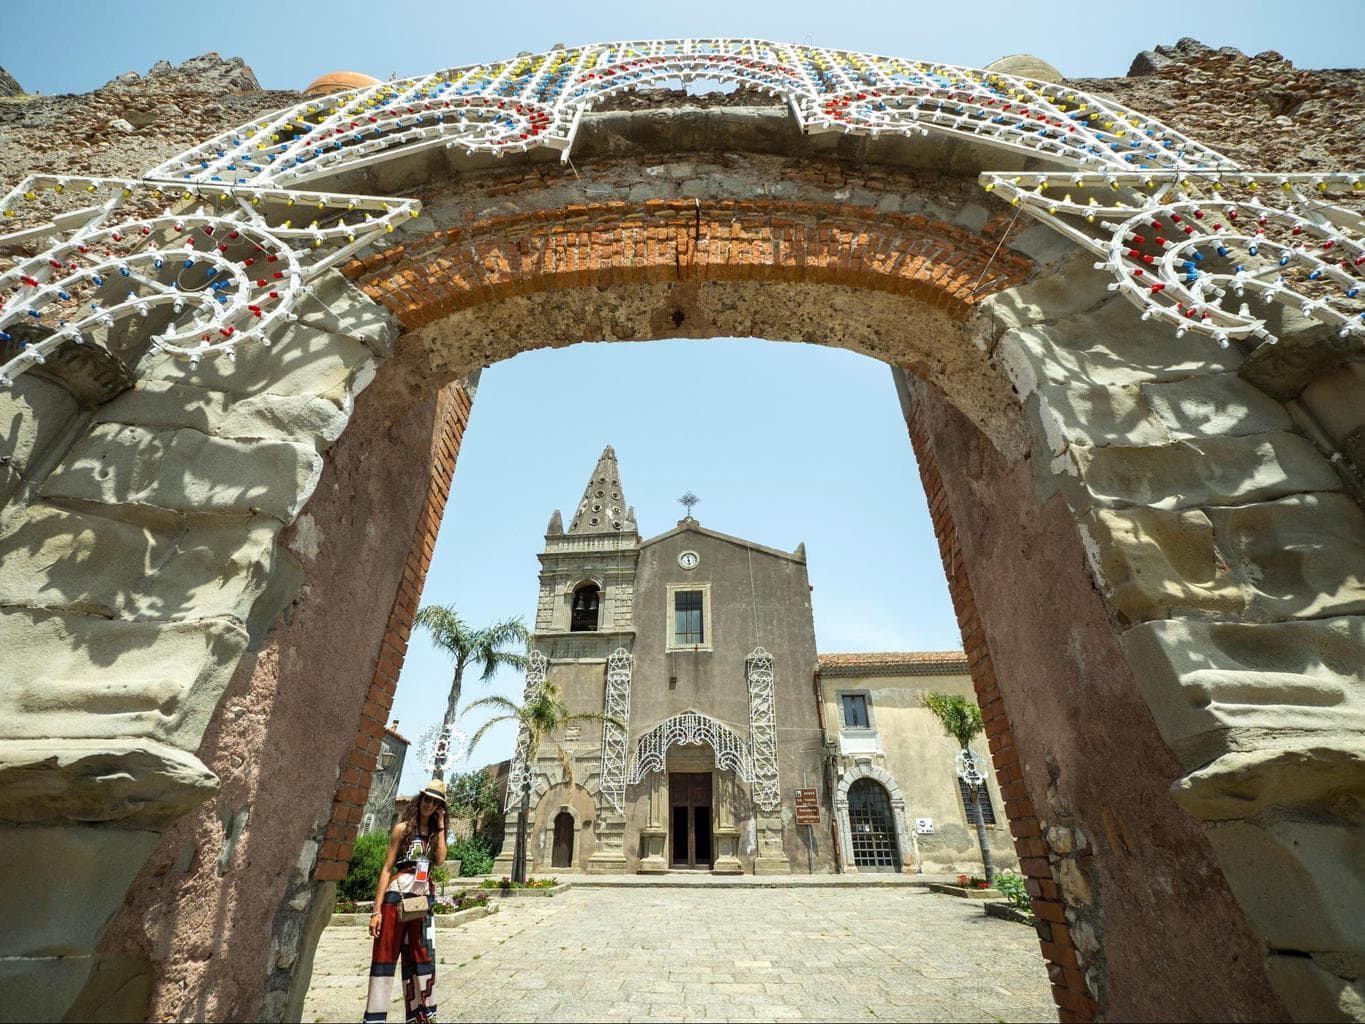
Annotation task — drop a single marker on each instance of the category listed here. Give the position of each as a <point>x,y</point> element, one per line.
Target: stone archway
<point>1096,584</point>
<point>888,782</point>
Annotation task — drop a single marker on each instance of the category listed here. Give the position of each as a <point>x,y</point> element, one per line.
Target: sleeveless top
<point>418,846</point>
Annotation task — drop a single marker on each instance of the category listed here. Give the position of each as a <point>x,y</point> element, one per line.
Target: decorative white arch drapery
<point>691,728</point>
<point>216,248</point>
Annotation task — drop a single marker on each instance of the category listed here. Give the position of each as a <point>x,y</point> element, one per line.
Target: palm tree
<point>540,714</point>
<point>469,646</point>
<point>961,719</point>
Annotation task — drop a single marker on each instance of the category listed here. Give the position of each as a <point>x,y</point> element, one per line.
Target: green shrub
<point>367,859</point>
<point>473,854</point>
<point>1014,890</point>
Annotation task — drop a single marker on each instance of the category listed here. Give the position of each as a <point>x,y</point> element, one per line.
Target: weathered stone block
<point>1104,346</point>
<point>119,989</point>
<point>1206,680</point>
<point>1071,289</point>
<point>1317,774</point>
<point>1214,404</point>
<point>338,307</point>
<point>1315,992</point>
<point>306,419</point>
<point>34,986</point>
<point>1097,416</point>
<point>1212,471</point>
<point>301,361</point>
<point>136,783</point>
<point>110,679</point>
<point>93,565</point>
<point>1301,881</point>
<point>34,414</point>
<point>186,471</point>
<point>1152,562</point>
<point>74,878</point>
<point>1300,557</point>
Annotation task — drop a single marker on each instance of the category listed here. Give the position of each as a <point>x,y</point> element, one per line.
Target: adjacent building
<point>381,808</point>
<point>898,801</point>
<point>730,746</point>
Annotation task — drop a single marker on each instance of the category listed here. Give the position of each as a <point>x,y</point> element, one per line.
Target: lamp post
<point>519,852</point>
<point>970,773</point>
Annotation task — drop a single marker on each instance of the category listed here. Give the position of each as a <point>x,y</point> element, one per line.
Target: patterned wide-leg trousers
<point>415,942</point>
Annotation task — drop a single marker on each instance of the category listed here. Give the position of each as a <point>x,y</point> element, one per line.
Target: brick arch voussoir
<point>658,241</point>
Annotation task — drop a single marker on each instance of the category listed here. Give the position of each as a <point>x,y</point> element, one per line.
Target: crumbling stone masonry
<point>1155,548</point>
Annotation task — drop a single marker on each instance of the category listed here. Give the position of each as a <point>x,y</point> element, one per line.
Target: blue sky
<point>80,44</point>
<point>784,443</point>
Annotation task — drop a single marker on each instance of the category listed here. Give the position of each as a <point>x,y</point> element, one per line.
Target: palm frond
<point>508,706</point>
<point>960,718</point>
<point>482,731</point>
<point>495,659</point>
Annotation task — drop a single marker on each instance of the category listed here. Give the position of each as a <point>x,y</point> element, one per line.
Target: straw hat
<point>435,789</point>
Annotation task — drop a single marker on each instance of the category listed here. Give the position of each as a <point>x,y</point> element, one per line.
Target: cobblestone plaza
<point>699,954</point>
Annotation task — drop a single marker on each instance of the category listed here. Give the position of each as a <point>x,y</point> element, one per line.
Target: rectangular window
<point>855,711</point>
<point>688,628</point>
<point>987,811</point>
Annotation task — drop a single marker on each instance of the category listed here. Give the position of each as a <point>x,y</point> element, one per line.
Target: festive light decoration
<point>187,270</point>
<point>215,247</point>
<point>522,773</point>
<point>617,704</point>
<point>538,100</point>
<point>1208,252</point>
<point>758,668</point>
<point>691,728</point>
<point>448,744</point>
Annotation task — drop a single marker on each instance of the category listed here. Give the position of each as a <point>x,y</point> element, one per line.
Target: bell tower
<point>587,573</point>
<point>585,628</point>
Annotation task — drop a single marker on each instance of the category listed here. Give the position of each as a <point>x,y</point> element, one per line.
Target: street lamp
<point>969,771</point>
<point>519,852</point>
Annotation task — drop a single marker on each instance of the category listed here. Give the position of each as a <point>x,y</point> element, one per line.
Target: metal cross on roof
<point>687,501</point>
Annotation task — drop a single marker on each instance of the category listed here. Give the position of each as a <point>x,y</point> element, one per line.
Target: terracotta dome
<point>1025,65</point>
<point>338,81</point>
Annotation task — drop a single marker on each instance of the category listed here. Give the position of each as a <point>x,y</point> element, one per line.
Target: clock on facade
<point>688,559</point>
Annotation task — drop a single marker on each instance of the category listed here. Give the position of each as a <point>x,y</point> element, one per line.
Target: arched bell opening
<point>583,608</point>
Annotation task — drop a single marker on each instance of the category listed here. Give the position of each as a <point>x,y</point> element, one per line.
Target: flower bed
<point>462,900</point>
<point>504,886</point>
<point>531,883</point>
<point>969,886</point>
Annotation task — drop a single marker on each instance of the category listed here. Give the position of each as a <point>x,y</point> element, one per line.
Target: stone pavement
<point>652,953</point>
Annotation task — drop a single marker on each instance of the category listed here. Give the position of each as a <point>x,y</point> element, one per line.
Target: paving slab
<point>800,953</point>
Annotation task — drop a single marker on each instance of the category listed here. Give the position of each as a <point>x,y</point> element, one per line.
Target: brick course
<point>1073,999</point>
<point>353,785</point>
<point>664,240</point>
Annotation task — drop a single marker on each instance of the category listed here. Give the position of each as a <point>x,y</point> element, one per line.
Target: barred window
<point>987,811</point>
<point>688,627</point>
<point>855,710</point>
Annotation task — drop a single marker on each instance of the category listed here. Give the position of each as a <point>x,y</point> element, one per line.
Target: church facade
<point>723,751</point>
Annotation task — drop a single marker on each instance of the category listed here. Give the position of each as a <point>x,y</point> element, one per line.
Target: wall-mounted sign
<point>924,826</point>
<point>807,807</point>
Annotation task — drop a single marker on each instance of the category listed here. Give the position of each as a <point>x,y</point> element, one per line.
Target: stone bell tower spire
<point>603,508</point>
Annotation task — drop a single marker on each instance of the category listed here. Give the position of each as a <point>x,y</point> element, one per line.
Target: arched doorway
<point>873,827</point>
<point>561,855</point>
<point>1155,639</point>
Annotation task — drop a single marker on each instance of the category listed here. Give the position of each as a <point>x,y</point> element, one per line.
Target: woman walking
<point>402,920</point>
